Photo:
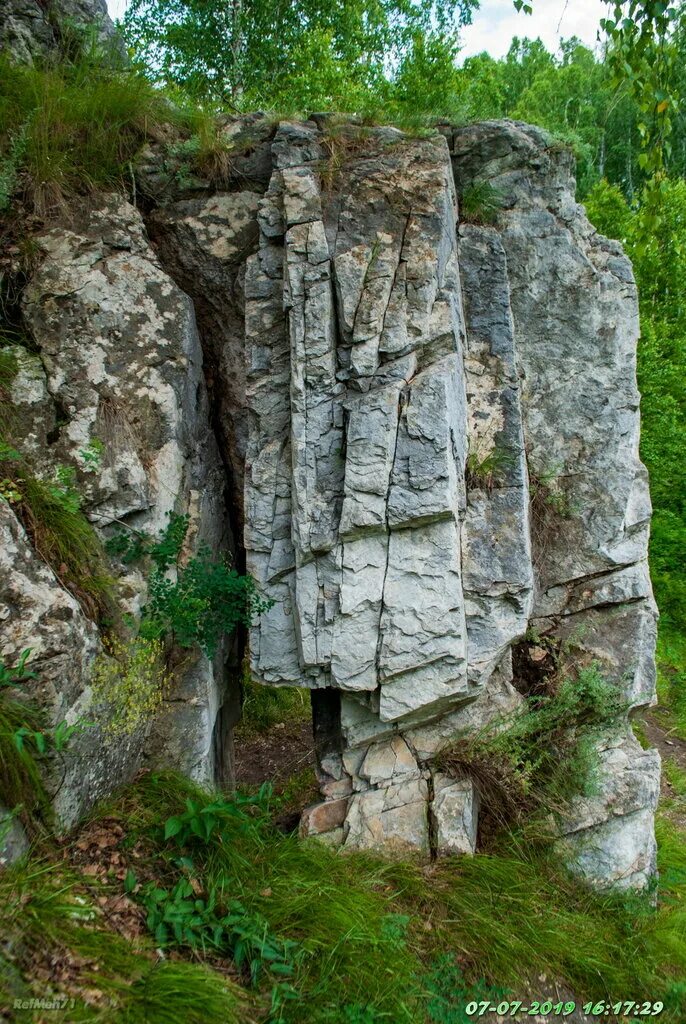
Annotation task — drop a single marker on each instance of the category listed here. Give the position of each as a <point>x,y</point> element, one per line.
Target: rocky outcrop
<point>31,28</point>
<point>421,433</point>
<point>115,391</point>
<point>443,453</point>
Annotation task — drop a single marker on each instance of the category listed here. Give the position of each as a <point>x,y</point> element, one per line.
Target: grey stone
<point>14,843</point>
<point>429,433</point>
<point>30,29</point>
<point>455,809</point>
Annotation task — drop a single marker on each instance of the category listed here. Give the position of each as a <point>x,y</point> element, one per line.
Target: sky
<point>496,22</point>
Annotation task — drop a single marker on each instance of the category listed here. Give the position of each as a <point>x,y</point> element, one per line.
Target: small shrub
<point>192,603</point>
<point>202,822</point>
<point>181,916</point>
<point>130,679</point>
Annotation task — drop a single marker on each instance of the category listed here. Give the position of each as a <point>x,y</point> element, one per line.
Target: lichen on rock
<point>422,432</point>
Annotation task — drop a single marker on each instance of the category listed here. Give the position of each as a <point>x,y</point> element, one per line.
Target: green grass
<point>63,536</point>
<point>70,128</point>
<point>267,706</point>
<point>48,911</point>
<point>528,764</point>
<point>671,677</point>
<point>371,936</point>
<point>21,785</point>
<point>480,203</point>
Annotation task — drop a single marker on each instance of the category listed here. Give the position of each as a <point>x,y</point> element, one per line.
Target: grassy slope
<point>376,940</point>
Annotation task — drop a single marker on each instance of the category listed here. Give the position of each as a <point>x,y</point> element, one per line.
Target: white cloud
<point>496,22</point>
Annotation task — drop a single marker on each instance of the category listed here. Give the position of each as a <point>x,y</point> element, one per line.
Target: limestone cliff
<point>421,434</point>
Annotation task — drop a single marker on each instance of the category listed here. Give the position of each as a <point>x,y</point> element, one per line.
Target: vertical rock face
<point>442,454</point>
<point>427,431</point>
<point>118,365</point>
<point>31,28</point>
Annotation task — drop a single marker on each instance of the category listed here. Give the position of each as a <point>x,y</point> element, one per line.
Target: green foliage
<point>15,675</point>
<point>531,762</point>
<point>201,821</point>
<point>47,907</point>
<point>266,706</point>
<point>51,512</point>
<point>671,676</point>
<point>182,918</point>
<point>451,992</point>
<point>207,601</point>
<point>71,127</point>
<point>287,56</point>
<point>365,940</point>
<point>194,602</point>
<point>480,203</point>
<point>24,741</point>
<point>486,470</point>
<point>21,785</point>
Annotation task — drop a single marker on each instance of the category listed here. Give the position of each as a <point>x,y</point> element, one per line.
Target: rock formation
<point>420,434</point>
<point>391,359</point>
<point>31,28</point>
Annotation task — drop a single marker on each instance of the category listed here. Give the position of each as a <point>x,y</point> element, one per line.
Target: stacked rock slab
<point>393,354</point>
<point>434,425</point>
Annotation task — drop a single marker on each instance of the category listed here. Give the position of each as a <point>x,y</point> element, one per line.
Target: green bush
<point>193,602</point>
<point>532,761</point>
<point>480,203</point>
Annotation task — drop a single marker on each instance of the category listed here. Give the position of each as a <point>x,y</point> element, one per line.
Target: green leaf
<point>172,827</point>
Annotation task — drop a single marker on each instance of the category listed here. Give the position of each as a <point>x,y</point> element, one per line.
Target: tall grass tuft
<point>70,128</point>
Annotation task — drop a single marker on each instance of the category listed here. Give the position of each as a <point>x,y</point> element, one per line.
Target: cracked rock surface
<point>442,454</point>
<point>422,434</point>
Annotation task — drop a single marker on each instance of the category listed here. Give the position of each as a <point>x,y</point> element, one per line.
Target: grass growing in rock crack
<point>531,762</point>
<point>61,534</point>
<point>363,937</point>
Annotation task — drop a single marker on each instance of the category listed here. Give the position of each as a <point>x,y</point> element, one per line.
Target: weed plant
<point>532,761</point>
<point>192,601</point>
